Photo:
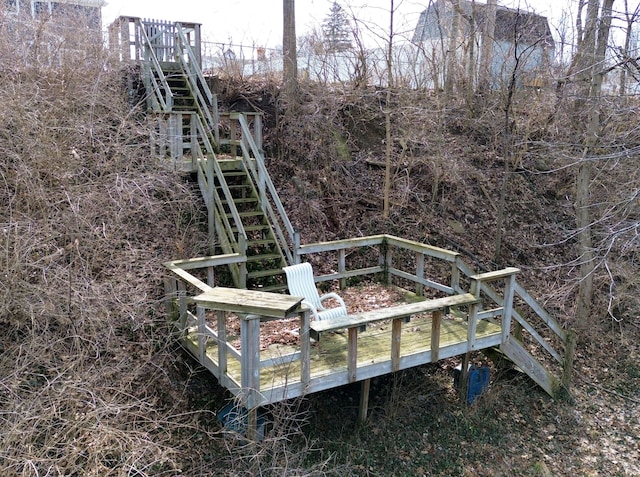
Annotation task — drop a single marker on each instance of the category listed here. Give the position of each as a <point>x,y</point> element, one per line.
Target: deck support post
<point>250,374</point>
<point>396,336</point>
<point>352,354</point>
<point>305,347</point>
<point>436,319</point>
<point>464,376</point>
<point>365,387</point>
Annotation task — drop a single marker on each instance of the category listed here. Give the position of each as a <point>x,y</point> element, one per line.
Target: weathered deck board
<point>328,359</point>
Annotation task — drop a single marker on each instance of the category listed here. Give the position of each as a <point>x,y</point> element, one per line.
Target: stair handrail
<point>210,160</point>
<point>266,188</point>
<point>564,358</point>
<point>153,66</point>
<point>199,87</point>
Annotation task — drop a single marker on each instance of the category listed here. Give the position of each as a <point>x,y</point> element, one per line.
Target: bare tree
<point>387,116</point>
<point>289,52</point>
<point>630,17</point>
<point>588,66</point>
<point>486,55</point>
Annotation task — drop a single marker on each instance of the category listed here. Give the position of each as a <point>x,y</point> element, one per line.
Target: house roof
<point>528,27</point>
<point>511,24</point>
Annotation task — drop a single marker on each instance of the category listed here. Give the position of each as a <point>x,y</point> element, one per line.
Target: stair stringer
<point>514,350</point>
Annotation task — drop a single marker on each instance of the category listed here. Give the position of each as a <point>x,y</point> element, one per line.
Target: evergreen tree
<point>337,29</point>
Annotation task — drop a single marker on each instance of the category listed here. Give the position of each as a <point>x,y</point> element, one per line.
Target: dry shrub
<point>87,219</point>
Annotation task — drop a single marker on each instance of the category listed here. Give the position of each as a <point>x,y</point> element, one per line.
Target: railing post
<point>232,137</point>
<point>257,130</point>
<point>193,135</point>
<point>250,369</point>
<point>242,246</point>
<point>222,347</point>
<point>472,320</point>
<point>216,119</point>
<point>202,338</point>
<point>173,140</point>
<point>455,276</point>
<point>420,273</point>
<point>509,290</point>
<point>342,267</point>
<point>305,347</point>
<point>296,247</point>
<point>384,260</point>
<point>171,295</point>
<point>182,305</point>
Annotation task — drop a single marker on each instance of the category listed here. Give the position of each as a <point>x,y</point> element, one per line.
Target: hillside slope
<point>91,381</point>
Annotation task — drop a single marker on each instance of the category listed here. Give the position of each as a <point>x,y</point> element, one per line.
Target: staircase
<point>249,230</point>
<point>265,258</point>
<point>245,215</point>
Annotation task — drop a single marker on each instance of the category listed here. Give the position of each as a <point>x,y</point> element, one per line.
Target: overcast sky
<point>259,22</point>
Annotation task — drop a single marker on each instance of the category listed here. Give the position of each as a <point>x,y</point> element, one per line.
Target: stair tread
<point>243,200</point>
<point>265,273</point>
<point>261,242</point>
<point>248,213</point>
<point>253,228</point>
<point>264,256</point>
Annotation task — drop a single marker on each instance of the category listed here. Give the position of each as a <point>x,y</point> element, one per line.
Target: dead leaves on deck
<point>285,332</point>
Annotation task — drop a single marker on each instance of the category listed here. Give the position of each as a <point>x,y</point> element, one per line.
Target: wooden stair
<point>188,129</point>
<point>265,258</point>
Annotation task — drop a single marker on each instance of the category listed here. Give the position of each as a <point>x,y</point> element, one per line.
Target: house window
<point>13,6</point>
<point>40,8</point>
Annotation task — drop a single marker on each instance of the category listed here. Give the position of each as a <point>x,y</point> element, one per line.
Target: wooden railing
<point>524,321</point>
<point>253,160</point>
<point>208,169</point>
<point>504,306</point>
<point>182,284</point>
<point>206,104</point>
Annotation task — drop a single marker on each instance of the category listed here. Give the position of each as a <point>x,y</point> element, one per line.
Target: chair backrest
<point>300,283</point>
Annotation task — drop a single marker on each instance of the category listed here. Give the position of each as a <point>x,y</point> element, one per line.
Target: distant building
<point>517,33</point>
<point>90,11</point>
<point>50,32</point>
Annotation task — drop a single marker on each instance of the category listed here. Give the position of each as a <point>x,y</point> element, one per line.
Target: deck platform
<point>225,329</point>
<point>280,378</point>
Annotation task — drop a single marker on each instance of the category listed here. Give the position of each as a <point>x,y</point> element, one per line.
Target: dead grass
<point>90,383</point>
<point>86,220</point>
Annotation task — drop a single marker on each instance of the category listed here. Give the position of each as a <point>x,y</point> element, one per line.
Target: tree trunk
<point>450,72</point>
<point>590,59</point>
<point>289,53</point>
<point>486,53</point>
<point>387,120</point>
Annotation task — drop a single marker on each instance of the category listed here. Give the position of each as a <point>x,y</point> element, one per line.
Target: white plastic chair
<point>300,282</point>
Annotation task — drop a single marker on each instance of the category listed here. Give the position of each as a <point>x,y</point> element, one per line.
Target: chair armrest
<point>312,308</point>
<point>334,295</point>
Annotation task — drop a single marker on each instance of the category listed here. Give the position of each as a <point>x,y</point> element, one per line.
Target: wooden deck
<point>471,312</point>
<point>328,357</point>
